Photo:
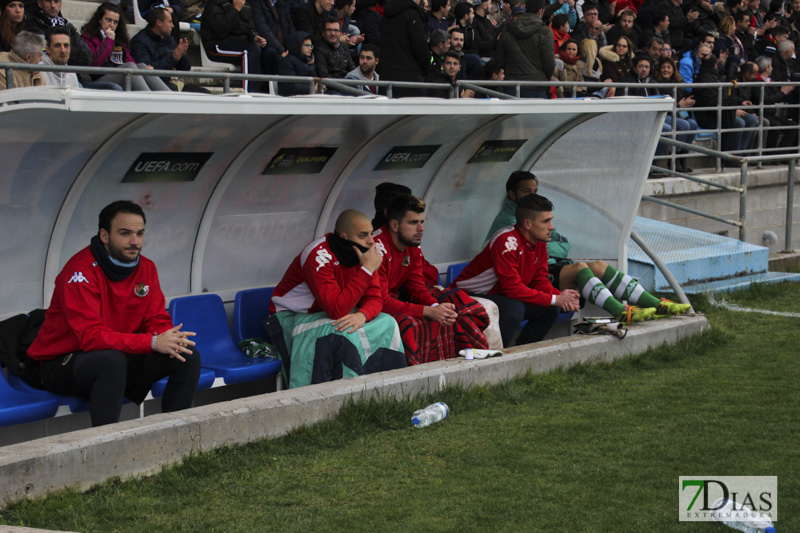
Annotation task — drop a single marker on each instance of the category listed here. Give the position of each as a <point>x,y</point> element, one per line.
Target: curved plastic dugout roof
<point>235,186</point>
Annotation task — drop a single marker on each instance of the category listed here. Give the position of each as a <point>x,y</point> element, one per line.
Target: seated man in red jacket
<point>512,272</point>
<point>107,334</point>
<point>328,307</point>
<point>434,324</point>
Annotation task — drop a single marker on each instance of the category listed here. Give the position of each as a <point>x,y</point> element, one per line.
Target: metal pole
<point>127,83</point>
<point>672,280</point>
<point>787,247</point>
<point>743,202</point>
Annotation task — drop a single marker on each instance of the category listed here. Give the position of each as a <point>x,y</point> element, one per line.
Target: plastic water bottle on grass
<point>741,517</point>
<point>433,413</point>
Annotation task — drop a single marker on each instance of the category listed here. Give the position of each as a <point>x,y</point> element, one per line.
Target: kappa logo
<point>323,258</point>
<point>511,245</point>
<point>380,247</point>
<point>141,290</point>
<point>78,277</point>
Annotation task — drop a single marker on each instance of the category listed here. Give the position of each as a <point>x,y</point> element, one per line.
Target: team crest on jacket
<point>141,290</point>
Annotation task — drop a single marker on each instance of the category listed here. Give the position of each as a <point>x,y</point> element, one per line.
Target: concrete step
<point>694,257</point>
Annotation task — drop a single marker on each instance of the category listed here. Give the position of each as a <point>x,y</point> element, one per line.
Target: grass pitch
<point>594,448</point>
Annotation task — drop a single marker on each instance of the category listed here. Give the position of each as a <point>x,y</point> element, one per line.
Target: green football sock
<point>625,288</point>
<point>595,292</point>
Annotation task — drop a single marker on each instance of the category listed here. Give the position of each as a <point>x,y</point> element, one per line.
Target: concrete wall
<point>84,458</point>
<point>766,204</point>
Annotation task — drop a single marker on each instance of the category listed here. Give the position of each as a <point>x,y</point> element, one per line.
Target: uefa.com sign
<point>724,498</point>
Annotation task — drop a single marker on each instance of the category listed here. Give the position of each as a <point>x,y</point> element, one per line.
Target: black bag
<point>16,335</point>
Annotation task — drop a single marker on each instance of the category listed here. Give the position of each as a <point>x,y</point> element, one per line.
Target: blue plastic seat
<point>75,404</point>
<point>18,407</point>
<point>453,271</point>
<point>205,315</point>
<point>250,308</point>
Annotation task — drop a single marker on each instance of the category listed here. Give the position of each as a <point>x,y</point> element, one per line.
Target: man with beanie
<point>526,50</point>
<point>106,333</point>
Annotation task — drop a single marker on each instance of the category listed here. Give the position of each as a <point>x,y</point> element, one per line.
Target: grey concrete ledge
<point>673,186</point>
<point>83,458</point>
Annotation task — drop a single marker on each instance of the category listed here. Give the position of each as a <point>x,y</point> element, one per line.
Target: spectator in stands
<point>174,9</point>
<point>564,7</point>
<point>155,46</point>
<point>464,15</point>
<point>106,35</point>
<point>404,50</point>
<point>559,25</point>
<point>617,60</point>
<point>47,13</point>
<point>371,23</point>
<point>333,288</point>
<point>570,70</point>
<point>678,24</point>
<point>25,48</point>
<point>331,58</point>
<point>745,33</point>
<point>439,43</point>
<point>229,35</point>
<point>767,45</point>
<point>273,22</point>
<point>667,72</point>
<point>434,324</point>
<point>299,62</point>
<point>626,27</point>
<point>659,29</point>
<point>12,21</point>
<point>470,62</point>
<point>310,18</point>
<point>640,75</point>
<point>591,27</point>
<point>702,18</point>
<point>367,62</point>
<point>690,63</point>
<point>99,341</point>
<point>591,66</point>
<point>731,118</point>
<point>437,17</point>
<point>451,73</point>
<point>57,53</point>
<point>783,64</point>
<point>526,50</point>
<point>727,38</point>
<point>773,95</point>
<point>567,275</point>
<point>485,30</point>
<point>512,272</point>
<point>653,49</point>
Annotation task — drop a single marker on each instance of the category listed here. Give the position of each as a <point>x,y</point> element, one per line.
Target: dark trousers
<point>513,312</point>
<point>105,377</point>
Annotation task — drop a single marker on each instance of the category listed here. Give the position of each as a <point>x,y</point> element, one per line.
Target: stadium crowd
<point>636,42</point>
